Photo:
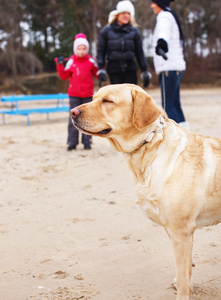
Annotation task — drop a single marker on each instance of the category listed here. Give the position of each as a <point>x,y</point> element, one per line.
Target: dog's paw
<point>174,285</point>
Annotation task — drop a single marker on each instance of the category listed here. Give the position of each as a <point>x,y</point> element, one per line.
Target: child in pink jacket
<point>80,69</point>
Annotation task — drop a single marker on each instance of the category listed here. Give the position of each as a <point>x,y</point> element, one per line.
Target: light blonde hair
<point>132,21</point>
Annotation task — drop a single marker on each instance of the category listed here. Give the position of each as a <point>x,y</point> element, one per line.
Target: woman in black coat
<point>120,45</point>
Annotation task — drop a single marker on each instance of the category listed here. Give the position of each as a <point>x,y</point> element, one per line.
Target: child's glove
<point>161,44</point>
<point>146,77</point>
<point>59,60</point>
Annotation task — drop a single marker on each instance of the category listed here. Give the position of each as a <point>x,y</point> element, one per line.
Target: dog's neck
<point>157,129</point>
<point>136,142</point>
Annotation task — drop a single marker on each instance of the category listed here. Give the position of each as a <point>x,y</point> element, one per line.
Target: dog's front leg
<point>182,241</point>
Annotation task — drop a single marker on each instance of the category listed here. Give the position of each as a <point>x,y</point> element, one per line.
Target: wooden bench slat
<point>17,98</point>
<point>38,110</point>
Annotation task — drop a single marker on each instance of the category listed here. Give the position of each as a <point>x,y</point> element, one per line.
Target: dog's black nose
<point>75,112</point>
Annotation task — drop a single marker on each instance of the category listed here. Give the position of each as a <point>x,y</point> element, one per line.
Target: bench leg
<point>3,119</point>
<point>28,120</point>
<point>47,116</point>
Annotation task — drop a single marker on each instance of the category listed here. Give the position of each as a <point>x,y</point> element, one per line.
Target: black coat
<point>121,46</point>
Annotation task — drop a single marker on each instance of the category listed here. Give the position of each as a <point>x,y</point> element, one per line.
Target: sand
<point>70,227</point>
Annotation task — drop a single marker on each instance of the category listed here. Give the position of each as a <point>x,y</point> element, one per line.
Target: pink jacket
<point>80,71</point>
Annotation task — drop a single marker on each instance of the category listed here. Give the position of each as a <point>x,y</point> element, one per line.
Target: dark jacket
<point>121,46</point>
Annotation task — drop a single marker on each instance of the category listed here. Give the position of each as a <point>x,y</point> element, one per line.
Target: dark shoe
<point>71,147</point>
<point>87,147</point>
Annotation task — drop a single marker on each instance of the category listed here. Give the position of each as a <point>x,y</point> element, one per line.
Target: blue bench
<point>16,110</point>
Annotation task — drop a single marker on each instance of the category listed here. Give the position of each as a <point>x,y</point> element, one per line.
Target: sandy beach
<point>70,227</point>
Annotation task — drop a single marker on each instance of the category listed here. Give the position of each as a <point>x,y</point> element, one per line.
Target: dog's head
<point>117,112</point>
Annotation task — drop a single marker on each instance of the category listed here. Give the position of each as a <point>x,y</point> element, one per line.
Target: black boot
<point>71,147</point>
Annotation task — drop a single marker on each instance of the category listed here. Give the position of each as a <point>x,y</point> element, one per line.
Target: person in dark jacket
<point>120,44</point>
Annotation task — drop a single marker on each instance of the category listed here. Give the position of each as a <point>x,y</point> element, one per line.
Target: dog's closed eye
<point>107,101</point>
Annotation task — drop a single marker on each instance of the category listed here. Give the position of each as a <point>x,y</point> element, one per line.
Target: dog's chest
<point>149,201</point>
<point>152,169</point>
<point>150,183</point>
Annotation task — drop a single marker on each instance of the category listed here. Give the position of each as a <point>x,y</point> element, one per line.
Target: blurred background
<point>34,32</point>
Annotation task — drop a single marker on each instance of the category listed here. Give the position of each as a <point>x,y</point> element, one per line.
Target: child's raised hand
<point>59,59</point>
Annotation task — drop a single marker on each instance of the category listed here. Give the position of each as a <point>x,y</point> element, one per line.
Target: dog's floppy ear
<point>145,109</point>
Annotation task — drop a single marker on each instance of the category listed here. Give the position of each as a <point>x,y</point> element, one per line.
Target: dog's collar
<point>157,129</point>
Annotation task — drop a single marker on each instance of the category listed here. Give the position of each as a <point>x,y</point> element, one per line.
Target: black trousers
<point>126,77</point>
<point>73,133</point>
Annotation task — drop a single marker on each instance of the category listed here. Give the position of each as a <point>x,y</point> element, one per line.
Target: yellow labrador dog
<point>177,173</point>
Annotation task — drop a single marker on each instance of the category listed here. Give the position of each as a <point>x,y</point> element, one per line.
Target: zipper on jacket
<point>123,63</point>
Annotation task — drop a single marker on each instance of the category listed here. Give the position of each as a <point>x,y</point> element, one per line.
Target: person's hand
<point>161,44</point>
<point>102,75</point>
<point>59,60</point>
<point>146,77</point>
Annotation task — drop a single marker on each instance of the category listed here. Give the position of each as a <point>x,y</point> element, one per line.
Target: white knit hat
<point>122,6</point>
<point>79,40</point>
